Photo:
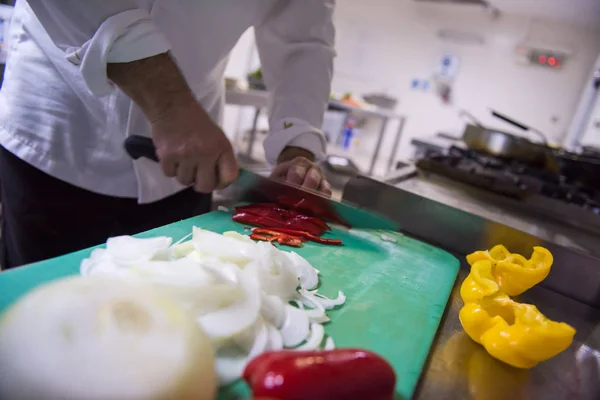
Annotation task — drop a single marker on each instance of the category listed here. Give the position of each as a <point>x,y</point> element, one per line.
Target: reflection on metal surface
<point>574,274</point>
<point>459,368</point>
<point>251,187</point>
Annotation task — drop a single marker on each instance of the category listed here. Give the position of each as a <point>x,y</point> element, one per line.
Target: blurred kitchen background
<point>423,95</point>
<point>425,61</point>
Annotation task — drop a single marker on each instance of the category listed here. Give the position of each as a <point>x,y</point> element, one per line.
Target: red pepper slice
<point>267,235</point>
<point>308,236</point>
<point>251,219</point>
<point>264,238</point>
<point>265,221</point>
<point>318,209</point>
<point>290,241</point>
<point>291,217</point>
<point>271,232</point>
<point>341,374</point>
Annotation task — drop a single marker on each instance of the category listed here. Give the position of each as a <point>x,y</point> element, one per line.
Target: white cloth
<point>60,113</point>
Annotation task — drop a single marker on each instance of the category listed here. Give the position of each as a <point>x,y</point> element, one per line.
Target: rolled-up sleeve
<point>93,33</point>
<point>296,48</point>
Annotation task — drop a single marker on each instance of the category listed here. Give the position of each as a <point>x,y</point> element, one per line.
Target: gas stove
<point>534,189</point>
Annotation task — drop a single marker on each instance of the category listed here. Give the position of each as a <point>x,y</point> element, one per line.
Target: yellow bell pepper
<point>513,273</point>
<point>479,283</point>
<point>517,334</point>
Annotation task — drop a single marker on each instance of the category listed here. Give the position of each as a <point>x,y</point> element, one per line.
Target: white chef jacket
<point>60,113</point>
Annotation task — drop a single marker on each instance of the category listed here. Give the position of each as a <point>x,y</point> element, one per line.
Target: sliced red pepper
<point>273,211</point>
<point>303,225</point>
<point>308,236</point>
<point>251,219</point>
<point>341,374</point>
<point>317,209</point>
<point>272,232</point>
<point>267,235</point>
<point>264,238</point>
<point>290,241</point>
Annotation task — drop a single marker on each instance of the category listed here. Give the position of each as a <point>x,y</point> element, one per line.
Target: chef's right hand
<point>192,148</point>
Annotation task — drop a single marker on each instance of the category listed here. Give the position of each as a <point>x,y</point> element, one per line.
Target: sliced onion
<point>230,363</point>
<point>100,338</point>
<point>180,250</point>
<point>317,332</point>
<point>272,310</point>
<point>238,236</point>
<point>326,301</point>
<point>308,276</point>
<point>275,341</point>
<point>227,322</point>
<point>227,249</point>
<point>295,327</point>
<point>329,344</point>
<point>128,250</point>
<point>275,272</point>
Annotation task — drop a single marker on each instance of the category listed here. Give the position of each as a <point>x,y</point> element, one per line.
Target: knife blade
<point>251,187</point>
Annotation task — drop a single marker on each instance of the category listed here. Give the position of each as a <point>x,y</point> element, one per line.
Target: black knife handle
<point>140,146</point>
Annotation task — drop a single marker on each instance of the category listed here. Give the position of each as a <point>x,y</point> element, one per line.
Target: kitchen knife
<point>251,187</point>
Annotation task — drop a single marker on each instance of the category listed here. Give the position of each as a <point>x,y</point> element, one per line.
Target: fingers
<point>281,170</point>
<point>325,188</point>
<point>206,179</point>
<point>297,170</point>
<point>227,169</point>
<point>186,173</point>
<point>312,178</point>
<point>302,172</point>
<point>169,166</point>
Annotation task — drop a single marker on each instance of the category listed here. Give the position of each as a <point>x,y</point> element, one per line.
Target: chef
<point>81,76</point>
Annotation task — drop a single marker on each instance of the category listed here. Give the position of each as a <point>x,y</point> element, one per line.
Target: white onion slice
<point>326,301</point>
<point>227,249</point>
<point>275,341</point>
<point>128,250</point>
<point>180,250</point>
<point>308,276</point>
<point>329,344</point>
<point>295,328</point>
<point>230,364</point>
<point>272,310</point>
<point>101,338</point>
<point>317,332</point>
<point>232,320</point>
<point>275,272</point>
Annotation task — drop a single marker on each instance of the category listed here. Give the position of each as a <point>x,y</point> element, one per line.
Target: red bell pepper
<point>255,220</point>
<point>268,235</point>
<point>322,210</point>
<point>307,236</point>
<point>270,218</point>
<point>341,374</point>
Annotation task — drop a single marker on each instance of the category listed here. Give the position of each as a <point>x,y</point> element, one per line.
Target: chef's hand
<point>192,148</point>
<point>296,166</point>
<point>189,145</point>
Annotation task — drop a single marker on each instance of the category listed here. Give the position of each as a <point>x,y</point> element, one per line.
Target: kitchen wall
<point>384,44</point>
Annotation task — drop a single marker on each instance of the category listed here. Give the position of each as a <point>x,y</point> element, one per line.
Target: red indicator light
<point>542,59</point>
<point>552,61</point>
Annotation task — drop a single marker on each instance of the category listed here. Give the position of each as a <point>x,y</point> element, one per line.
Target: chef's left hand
<point>296,166</point>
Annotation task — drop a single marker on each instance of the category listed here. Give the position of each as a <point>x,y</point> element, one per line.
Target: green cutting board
<point>396,292</point>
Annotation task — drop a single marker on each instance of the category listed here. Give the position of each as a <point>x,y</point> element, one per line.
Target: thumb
<point>228,169</point>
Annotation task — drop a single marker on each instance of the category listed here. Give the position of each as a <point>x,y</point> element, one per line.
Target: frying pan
<point>503,144</point>
<point>577,169</point>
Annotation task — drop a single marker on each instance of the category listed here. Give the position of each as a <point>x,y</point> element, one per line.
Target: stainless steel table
<point>259,99</point>
<point>459,368</point>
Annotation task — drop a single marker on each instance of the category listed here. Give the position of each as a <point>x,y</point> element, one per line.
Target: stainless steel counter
<point>459,368</point>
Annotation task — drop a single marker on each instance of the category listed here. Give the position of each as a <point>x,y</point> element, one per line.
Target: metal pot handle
<point>521,126</point>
